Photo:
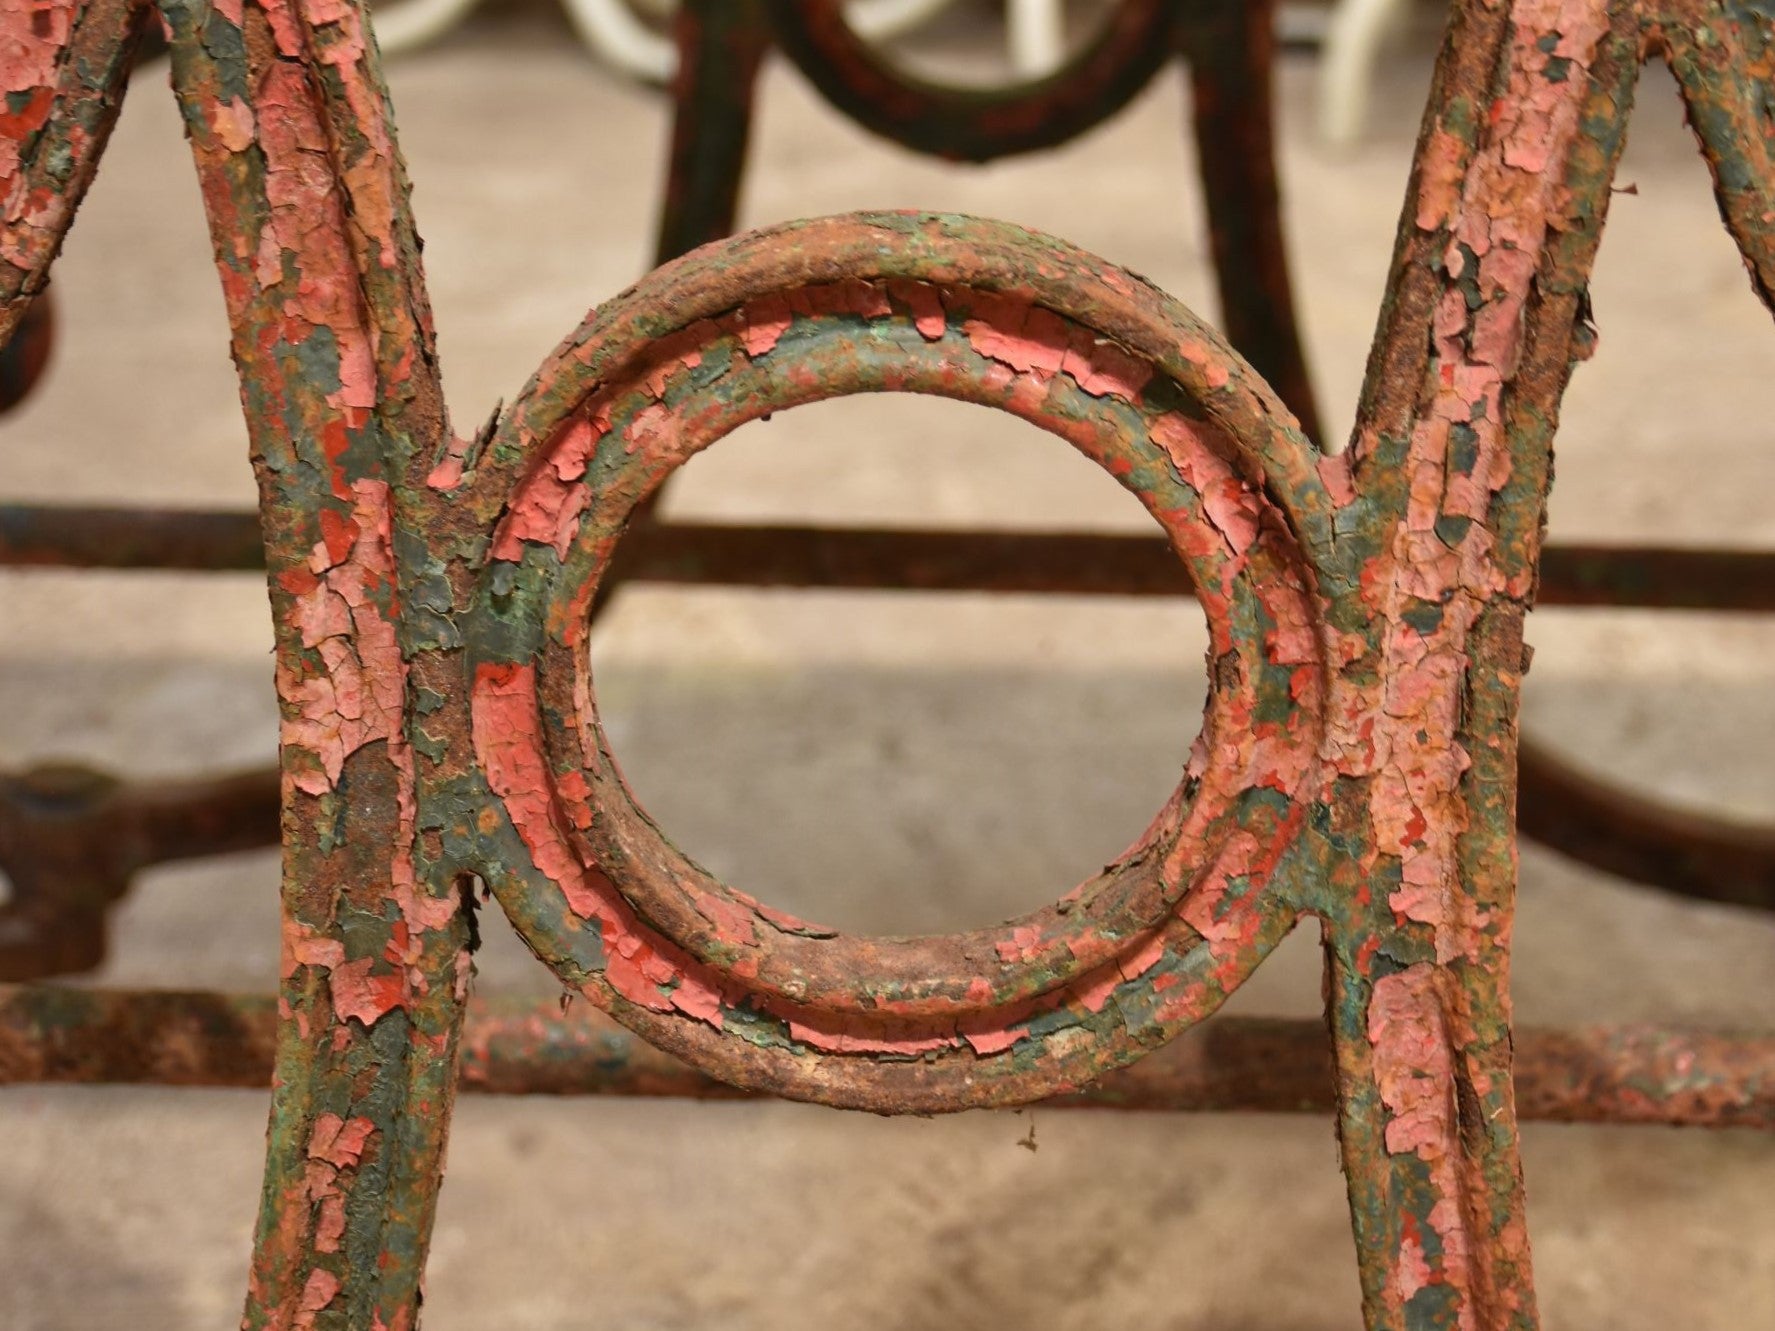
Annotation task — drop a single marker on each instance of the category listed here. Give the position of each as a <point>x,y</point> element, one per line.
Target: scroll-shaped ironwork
<point>1228,48</point>
<point>432,595</point>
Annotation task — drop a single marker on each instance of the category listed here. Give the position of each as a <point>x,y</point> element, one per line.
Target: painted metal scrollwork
<point>962,309</point>
<point>1228,48</point>
<point>432,596</point>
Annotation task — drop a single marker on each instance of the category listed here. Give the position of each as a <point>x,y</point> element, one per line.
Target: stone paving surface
<point>884,761</point>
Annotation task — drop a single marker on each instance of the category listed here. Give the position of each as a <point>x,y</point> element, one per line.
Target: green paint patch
<point>1424,616</point>
<point>1434,1306</point>
<point>227,45</point>
<point>58,162</point>
<point>1463,445</point>
<point>1452,529</point>
<point>428,620</point>
<point>509,624</point>
<point>434,748</point>
<point>332,820</point>
<point>759,1029</point>
<point>1752,13</point>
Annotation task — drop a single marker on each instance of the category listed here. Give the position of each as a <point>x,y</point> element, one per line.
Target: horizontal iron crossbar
<point>900,559</point>
<point>1610,1074</point>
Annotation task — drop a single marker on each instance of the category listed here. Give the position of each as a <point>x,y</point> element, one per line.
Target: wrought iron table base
<point>432,598</point>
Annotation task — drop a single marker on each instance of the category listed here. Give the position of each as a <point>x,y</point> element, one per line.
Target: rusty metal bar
<point>1231,51</point>
<point>1074,563</point>
<point>1692,854</point>
<point>720,49</point>
<point>65,536</point>
<point>72,840</point>
<point>1626,1074</point>
<point>861,558</point>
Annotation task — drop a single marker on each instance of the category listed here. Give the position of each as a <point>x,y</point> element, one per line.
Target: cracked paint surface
<point>306,200</point>
<point>1046,1002</point>
<point>1495,224</point>
<point>432,598</point>
<point>62,72</point>
<point>1476,343</point>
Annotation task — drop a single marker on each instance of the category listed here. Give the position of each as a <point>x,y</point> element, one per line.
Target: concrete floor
<point>883,761</point>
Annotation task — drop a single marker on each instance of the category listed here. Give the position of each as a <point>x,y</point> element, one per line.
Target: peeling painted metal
<point>432,597</point>
<point>936,559</point>
<point>1627,1074</point>
<point>1228,49</point>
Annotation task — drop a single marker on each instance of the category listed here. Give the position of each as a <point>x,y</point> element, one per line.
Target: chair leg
<point>1353,41</point>
<point>1231,55</point>
<point>1037,35</point>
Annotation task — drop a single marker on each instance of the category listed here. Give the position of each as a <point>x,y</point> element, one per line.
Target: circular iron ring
<point>984,313</point>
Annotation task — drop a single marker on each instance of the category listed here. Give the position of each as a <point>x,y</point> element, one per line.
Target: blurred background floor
<point>883,761</point>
